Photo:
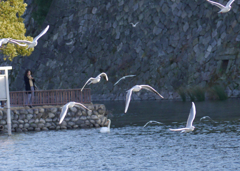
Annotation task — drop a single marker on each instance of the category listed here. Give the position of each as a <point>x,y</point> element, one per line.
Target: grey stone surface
<point>51,115</point>
<point>3,122</point>
<point>91,40</point>
<point>49,119</point>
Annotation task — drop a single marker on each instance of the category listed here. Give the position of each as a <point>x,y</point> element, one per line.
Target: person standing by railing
<point>29,86</point>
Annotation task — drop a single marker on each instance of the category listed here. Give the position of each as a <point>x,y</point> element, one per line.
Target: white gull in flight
<point>124,78</point>
<point>9,40</point>
<point>69,105</point>
<point>134,25</point>
<point>151,122</point>
<point>191,117</point>
<point>137,88</point>
<point>35,40</point>
<point>207,118</point>
<point>95,80</point>
<point>223,8</point>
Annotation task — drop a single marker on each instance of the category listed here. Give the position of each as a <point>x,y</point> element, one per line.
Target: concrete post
<point>7,98</point>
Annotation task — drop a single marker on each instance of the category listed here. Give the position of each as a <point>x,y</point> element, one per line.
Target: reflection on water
<point>129,146</point>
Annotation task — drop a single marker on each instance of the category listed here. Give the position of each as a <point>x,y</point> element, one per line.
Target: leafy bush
<point>182,93</point>
<point>194,93</point>
<point>190,94</point>
<point>219,91</point>
<point>12,26</point>
<point>199,93</point>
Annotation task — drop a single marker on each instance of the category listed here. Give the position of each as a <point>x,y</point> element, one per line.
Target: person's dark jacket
<point>27,84</point>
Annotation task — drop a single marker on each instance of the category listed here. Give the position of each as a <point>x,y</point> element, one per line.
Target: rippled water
<point>129,146</point>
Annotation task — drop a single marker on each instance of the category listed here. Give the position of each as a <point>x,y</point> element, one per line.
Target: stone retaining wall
<point>176,44</point>
<point>47,118</point>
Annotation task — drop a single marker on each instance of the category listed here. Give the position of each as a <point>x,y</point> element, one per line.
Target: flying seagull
<point>124,78</point>
<point>95,80</point>
<point>189,127</point>
<point>69,105</point>
<point>134,25</point>
<point>106,129</point>
<point>151,122</point>
<point>137,88</point>
<point>35,40</point>
<point>9,40</point>
<point>207,118</point>
<point>224,9</point>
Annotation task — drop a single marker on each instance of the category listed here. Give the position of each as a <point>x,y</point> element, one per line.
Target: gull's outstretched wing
<point>1,41</point>
<point>204,117</point>
<point>12,41</point>
<point>147,87</point>
<point>118,81</point>
<point>81,105</point>
<point>207,117</point>
<point>130,76</point>
<point>230,2</point>
<point>63,112</point>
<point>87,82</point>
<point>124,78</point>
<point>179,129</point>
<point>103,74</point>
<point>151,122</point>
<point>136,24</point>
<point>191,116</point>
<point>216,4</point>
<point>8,40</point>
<point>41,34</point>
<point>128,98</point>
<point>4,41</point>
<point>22,41</point>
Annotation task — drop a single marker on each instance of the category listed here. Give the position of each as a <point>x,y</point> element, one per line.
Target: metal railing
<point>50,97</point>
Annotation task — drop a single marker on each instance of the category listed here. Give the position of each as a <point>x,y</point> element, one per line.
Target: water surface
<point>129,146</point>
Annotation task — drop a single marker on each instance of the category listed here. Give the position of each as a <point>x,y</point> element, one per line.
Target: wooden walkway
<point>51,97</point>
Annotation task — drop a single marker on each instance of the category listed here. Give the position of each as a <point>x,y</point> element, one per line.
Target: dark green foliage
<point>194,93</point>
<point>182,93</point>
<point>199,93</point>
<point>41,12</point>
<point>190,94</point>
<point>219,91</point>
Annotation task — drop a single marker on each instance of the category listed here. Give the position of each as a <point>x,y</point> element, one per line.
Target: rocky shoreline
<point>47,118</point>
